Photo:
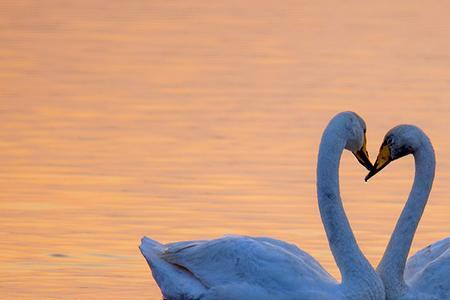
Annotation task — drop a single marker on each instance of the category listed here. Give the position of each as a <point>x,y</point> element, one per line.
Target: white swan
<point>246,268</point>
<point>427,273</point>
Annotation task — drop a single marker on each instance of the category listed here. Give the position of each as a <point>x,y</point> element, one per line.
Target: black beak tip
<point>368,176</point>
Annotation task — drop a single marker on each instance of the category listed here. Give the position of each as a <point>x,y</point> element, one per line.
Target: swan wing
<point>296,251</point>
<point>428,271</point>
<point>258,262</point>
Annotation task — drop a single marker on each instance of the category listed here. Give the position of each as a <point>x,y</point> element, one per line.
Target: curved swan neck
<point>392,265</point>
<point>352,264</point>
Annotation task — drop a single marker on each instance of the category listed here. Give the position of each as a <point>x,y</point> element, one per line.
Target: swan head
<point>398,142</point>
<point>355,137</point>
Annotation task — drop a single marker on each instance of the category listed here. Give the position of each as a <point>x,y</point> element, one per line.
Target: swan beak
<point>363,156</point>
<point>383,159</point>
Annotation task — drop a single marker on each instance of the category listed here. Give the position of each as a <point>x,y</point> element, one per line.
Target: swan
<point>242,267</point>
<point>426,275</point>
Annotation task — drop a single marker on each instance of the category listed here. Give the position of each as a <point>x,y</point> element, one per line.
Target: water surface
<point>192,119</point>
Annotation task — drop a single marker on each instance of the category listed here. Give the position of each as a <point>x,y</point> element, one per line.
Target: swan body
<point>241,267</point>
<point>238,267</point>
<point>426,275</point>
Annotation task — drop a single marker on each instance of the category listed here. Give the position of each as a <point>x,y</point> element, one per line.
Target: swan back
<point>428,271</point>
<point>257,261</point>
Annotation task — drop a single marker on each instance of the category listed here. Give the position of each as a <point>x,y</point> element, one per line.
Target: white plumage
<point>426,275</point>
<point>235,266</point>
<point>428,271</point>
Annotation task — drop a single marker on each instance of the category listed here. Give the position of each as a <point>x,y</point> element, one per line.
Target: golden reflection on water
<point>194,119</point>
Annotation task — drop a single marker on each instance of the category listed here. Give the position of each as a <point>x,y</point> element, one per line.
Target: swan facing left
<point>426,275</point>
<point>244,268</point>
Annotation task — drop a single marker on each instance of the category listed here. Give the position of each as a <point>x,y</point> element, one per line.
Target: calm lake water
<point>193,119</point>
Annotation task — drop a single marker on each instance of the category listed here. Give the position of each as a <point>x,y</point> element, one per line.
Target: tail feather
<point>174,281</point>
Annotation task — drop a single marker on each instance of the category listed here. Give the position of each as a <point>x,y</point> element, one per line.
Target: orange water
<point>192,119</point>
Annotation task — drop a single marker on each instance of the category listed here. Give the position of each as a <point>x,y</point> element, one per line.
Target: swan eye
<point>388,141</point>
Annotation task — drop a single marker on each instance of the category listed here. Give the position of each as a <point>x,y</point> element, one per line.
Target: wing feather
<point>428,271</point>
<point>256,261</point>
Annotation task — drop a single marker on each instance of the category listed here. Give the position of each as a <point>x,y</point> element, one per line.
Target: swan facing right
<point>244,268</point>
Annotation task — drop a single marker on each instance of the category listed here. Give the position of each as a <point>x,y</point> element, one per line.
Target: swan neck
<point>392,265</point>
<point>349,258</point>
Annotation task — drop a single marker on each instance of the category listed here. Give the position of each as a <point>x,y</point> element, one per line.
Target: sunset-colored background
<point>193,119</point>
